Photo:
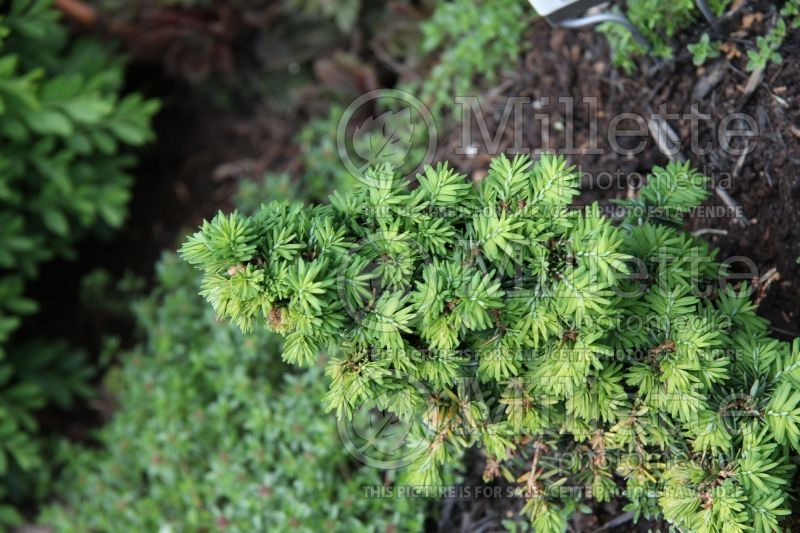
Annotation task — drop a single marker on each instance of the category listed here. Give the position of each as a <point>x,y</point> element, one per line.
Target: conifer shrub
<point>64,128</point>
<point>588,360</point>
<point>211,431</point>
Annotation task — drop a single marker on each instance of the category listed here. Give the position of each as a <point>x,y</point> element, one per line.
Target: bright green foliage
<point>588,361</point>
<point>211,433</point>
<point>703,50</point>
<point>671,193</point>
<point>791,12</point>
<point>767,48</point>
<point>470,40</point>
<point>63,126</point>
<point>658,21</point>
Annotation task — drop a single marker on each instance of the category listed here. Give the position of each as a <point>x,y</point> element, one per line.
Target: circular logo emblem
<point>378,438</point>
<point>386,126</point>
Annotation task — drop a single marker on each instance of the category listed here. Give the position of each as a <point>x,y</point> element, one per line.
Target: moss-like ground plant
<point>467,40</point>
<point>703,50</point>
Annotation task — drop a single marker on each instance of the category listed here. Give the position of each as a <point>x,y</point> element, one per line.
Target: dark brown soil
<point>183,178</point>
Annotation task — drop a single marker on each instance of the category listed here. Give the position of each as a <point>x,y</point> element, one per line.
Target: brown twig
<point>712,231</point>
<point>762,284</point>
<point>616,522</point>
<point>78,11</point>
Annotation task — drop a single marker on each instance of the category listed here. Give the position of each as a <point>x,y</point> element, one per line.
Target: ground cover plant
<point>213,432</point>
<point>64,128</point>
<point>587,360</point>
<point>659,22</point>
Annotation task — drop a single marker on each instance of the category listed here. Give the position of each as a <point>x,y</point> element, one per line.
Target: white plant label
<point>561,9</point>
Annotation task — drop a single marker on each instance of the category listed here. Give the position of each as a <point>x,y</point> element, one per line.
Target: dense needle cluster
<point>587,359</point>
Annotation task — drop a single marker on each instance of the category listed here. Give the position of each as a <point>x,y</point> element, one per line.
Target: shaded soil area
<point>179,181</point>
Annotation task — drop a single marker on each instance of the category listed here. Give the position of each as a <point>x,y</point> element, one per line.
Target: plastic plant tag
<point>557,10</point>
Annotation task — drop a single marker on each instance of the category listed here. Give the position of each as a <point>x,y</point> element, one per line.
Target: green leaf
<point>55,221</point>
<point>87,109</point>
<point>49,121</point>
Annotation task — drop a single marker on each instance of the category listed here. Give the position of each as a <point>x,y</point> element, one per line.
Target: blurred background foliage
<point>66,128</point>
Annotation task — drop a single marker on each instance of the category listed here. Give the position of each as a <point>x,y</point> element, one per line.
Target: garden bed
<point>202,152</point>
